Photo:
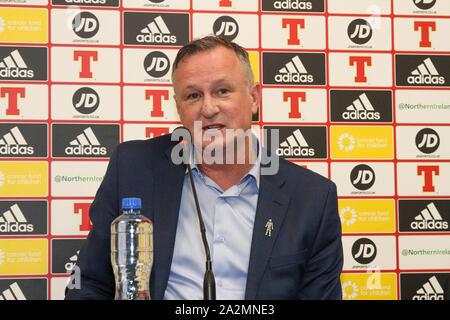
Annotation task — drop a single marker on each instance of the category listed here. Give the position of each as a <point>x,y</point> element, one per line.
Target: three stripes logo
<point>14,66</point>
<point>86,143</point>
<point>156,32</point>
<point>294,71</point>
<point>14,143</point>
<point>429,219</point>
<point>295,145</point>
<point>430,290</point>
<point>426,73</point>
<point>13,220</point>
<point>23,63</point>
<point>361,109</point>
<point>13,293</point>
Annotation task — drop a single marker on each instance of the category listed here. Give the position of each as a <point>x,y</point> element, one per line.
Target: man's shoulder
<point>153,146</point>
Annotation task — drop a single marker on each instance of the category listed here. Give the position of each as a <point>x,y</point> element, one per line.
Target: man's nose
<point>210,106</point>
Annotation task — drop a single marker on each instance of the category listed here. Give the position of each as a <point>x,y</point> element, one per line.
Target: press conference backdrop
<point>359,91</point>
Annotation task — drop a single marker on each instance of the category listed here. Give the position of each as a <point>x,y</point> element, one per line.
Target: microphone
<point>209,283</point>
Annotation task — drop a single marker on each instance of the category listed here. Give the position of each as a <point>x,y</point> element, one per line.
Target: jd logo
<point>85,25</point>
<point>226,27</point>
<point>424,4</point>
<point>359,31</point>
<point>362,177</point>
<point>364,251</point>
<point>427,140</point>
<point>156,64</point>
<point>86,100</point>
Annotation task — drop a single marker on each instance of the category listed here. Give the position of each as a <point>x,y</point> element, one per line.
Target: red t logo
<point>225,3</point>
<point>293,29</point>
<point>155,132</point>
<point>85,221</point>
<point>428,176</point>
<point>360,67</point>
<point>12,94</point>
<point>294,97</point>
<point>425,27</point>
<point>157,99</point>
<point>85,61</point>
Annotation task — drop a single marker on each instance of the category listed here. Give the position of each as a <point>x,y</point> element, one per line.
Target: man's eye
<point>193,96</point>
<point>223,91</point>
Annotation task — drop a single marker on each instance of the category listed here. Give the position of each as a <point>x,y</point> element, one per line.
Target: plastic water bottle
<point>132,252</point>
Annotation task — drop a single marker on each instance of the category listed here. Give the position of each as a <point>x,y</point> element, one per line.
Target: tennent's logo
<point>294,25</point>
<point>360,63</point>
<point>428,172</point>
<point>12,95</point>
<point>424,27</point>
<point>429,219</point>
<point>431,290</point>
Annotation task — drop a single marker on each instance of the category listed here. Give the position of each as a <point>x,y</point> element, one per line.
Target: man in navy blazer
<point>298,256</point>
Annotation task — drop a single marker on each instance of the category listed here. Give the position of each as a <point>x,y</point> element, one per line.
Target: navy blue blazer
<point>301,260</point>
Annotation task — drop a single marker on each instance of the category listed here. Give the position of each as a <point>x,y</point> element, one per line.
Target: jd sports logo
<point>424,4</point>
<point>362,177</point>
<point>293,68</point>
<point>424,215</point>
<point>91,141</point>
<point>87,3</point>
<point>293,5</point>
<point>23,140</point>
<point>156,64</point>
<point>226,27</point>
<point>85,25</point>
<point>86,100</point>
<point>427,140</point>
<point>359,31</point>
<point>364,251</point>
<point>165,29</point>
<point>23,63</point>
<point>430,290</point>
<point>421,70</point>
<point>299,142</point>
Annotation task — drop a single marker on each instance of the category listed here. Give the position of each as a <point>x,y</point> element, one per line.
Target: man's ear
<point>255,93</point>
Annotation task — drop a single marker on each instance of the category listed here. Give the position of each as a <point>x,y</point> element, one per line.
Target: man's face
<point>211,87</point>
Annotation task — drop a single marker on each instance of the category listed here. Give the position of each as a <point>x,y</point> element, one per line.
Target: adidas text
<point>16,227</point>
<point>361,115</point>
<point>429,225</point>
<point>158,38</point>
<point>16,73</point>
<point>85,150</point>
<point>16,150</point>
<point>87,1</point>
<point>432,296</point>
<point>296,77</point>
<point>295,151</point>
<point>293,4</point>
<point>426,79</point>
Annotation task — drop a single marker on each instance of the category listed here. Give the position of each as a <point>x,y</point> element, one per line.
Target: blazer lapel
<point>168,186</point>
<point>272,205</point>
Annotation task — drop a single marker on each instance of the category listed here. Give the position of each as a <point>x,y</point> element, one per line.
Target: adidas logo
<point>295,145</point>
<point>13,220</point>
<point>425,73</point>
<point>293,4</point>
<point>14,66</point>
<point>156,32</point>
<point>294,71</point>
<point>13,143</point>
<point>72,260</point>
<point>86,143</point>
<point>429,219</point>
<point>13,293</point>
<point>431,290</point>
<point>361,109</point>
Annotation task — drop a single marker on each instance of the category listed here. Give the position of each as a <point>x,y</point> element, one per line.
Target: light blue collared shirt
<point>228,217</point>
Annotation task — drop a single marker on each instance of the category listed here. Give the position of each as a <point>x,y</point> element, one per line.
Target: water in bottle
<point>132,252</point>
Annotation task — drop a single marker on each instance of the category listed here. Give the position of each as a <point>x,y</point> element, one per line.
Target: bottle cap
<point>131,203</point>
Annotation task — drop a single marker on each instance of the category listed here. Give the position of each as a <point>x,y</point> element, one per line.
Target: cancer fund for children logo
<point>19,179</point>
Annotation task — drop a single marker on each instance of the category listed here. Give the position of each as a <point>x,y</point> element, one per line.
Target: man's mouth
<point>213,126</point>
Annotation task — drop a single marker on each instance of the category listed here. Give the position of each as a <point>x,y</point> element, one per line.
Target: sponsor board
<point>361,106</point>
<point>148,66</point>
<point>23,217</point>
<point>23,256</point>
<point>369,253</point>
<point>149,103</point>
<point>76,178</point>
<point>157,4</point>
<point>26,2</point>
<point>86,3</point>
<point>92,27</point>
<point>23,25</point>
<point>423,179</point>
<point>360,33</point>
<point>23,63</point>
<point>298,142</point>
<point>146,131</point>
<point>294,105</point>
<point>229,26</point>
<point>293,5</point>
<point>424,215</point>
<point>65,254</point>
<point>70,217</point>
<point>292,32</point>
<point>423,142</point>
<point>253,56</point>
<point>85,102</point>
<point>422,70</point>
<point>318,167</point>
<point>18,102</point>
<point>23,140</point>
<point>360,7</point>
<point>360,69</point>
<point>293,68</point>
<point>78,64</point>
<point>422,106</point>
<point>362,142</point>
<point>422,7</point>
<point>23,178</point>
<point>158,29</point>
<point>23,289</point>
<point>367,216</point>
<point>363,179</point>
<point>84,140</point>
<point>58,287</point>
<point>373,285</point>
<point>225,5</point>
<point>424,286</point>
<point>430,252</point>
